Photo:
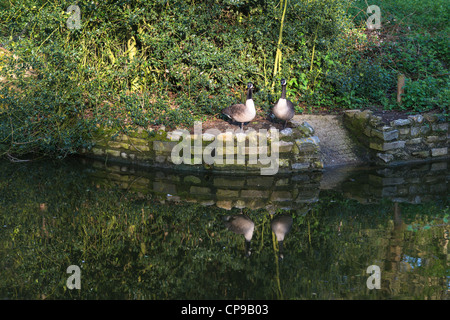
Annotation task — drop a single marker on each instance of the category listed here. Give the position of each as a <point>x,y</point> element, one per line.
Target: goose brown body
<point>242,112</point>
<point>284,109</point>
<point>241,224</point>
<point>281,226</point>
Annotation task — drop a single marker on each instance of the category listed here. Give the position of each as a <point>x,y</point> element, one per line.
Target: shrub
<point>142,63</point>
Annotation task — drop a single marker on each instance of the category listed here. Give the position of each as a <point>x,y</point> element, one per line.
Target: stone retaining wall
<point>418,137</point>
<point>289,150</point>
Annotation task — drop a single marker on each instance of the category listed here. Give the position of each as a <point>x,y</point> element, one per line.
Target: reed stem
<point>277,65</point>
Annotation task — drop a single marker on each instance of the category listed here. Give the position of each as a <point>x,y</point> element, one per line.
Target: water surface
<point>142,233</point>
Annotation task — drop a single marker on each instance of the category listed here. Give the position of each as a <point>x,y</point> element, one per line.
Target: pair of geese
<point>283,109</point>
<point>242,224</point>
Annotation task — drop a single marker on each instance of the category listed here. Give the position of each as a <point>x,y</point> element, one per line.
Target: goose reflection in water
<point>241,224</point>
<point>281,225</point>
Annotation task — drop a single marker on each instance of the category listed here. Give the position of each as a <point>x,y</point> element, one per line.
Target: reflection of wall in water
<point>410,184</point>
<point>295,191</point>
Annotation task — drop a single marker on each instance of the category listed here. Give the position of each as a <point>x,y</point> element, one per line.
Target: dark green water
<point>154,234</point>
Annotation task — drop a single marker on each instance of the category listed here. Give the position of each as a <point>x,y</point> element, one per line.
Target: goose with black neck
<point>284,108</point>
<point>240,112</point>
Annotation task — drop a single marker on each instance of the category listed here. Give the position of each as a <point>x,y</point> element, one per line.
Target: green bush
<point>142,63</point>
<point>426,94</point>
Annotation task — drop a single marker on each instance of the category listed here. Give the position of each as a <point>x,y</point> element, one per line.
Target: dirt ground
<point>266,121</point>
<point>260,122</point>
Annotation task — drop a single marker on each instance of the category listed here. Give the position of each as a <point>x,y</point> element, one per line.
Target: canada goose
<point>284,108</point>
<point>241,224</point>
<point>281,225</point>
<point>242,112</point>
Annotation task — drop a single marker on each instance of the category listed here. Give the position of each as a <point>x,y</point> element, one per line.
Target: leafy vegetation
<point>142,63</point>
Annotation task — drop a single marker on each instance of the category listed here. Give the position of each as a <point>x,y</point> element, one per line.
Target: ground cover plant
<point>143,63</point>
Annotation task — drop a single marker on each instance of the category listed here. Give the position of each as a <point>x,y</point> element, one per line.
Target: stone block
<point>363,116</point>
<point>255,204</point>
<point>375,121</point>
<point>425,129</point>
<point>192,179</point>
<point>122,137</point>
<point>227,182</point>
<point>282,182</point>
<point>351,113</point>
<point>225,136</point>
<point>260,181</point>
<point>386,181</point>
<point>140,148</point>
<point>304,131</point>
<point>253,150</point>
<point>415,131</point>
<point>386,157</point>
<point>160,159</point>
<point>389,191</point>
<point>439,188</point>
<point>385,146</point>
<point>438,166</point>
<point>438,152</point>
<point>300,166</point>
<point>367,131</point>
<point>98,151</point>
<point>220,151</point>
<point>113,153</point>
<point>421,154</point>
<point>164,146</point>
<point>137,141</point>
<point>385,134</point>
<point>308,196</point>
<point>414,141</point>
<point>208,137</point>
<point>254,193</point>
<point>416,118</point>
<point>176,135</point>
<point>225,204</point>
<point>401,122</point>
<point>283,163</point>
<point>309,127</point>
<point>199,190</point>
<point>226,193</point>
<point>432,139</point>
<point>431,118</point>
<point>118,145</point>
<point>404,131</point>
<point>310,144</point>
<point>281,196</point>
<point>440,127</point>
<point>283,146</point>
<point>317,164</point>
<point>287,132</point>
<point>164,187</point>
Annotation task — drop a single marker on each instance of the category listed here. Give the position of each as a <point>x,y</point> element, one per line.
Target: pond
<point>86,229</point>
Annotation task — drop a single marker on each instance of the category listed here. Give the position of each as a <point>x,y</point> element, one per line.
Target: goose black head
<point>250,85</point>
<point>283,82</point>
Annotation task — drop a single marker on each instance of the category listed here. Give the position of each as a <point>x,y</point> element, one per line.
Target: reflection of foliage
<point>131,246</point>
